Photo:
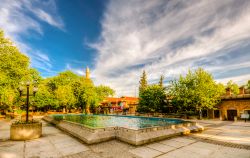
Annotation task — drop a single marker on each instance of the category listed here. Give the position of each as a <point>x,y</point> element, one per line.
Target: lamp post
<point>35,89</point>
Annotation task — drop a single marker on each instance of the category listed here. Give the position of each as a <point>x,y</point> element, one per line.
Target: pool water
<point>132,122</point>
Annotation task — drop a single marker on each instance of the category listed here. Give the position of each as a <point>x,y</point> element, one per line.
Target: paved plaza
<point>228,132</point>
<point>234,138</point>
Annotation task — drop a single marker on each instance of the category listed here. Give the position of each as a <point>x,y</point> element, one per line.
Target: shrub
<point>24,122</point>
<point>58,117</point>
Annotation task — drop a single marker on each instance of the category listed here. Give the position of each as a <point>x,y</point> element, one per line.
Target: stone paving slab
<point>12,149</point>
<point>53,143</point>
<point>160,147</point>
<point>113,148</point>
<point>57,144</point>
<point>205,150</point>
<point>70,150</point>
<point>231,152</point>
<point>180,154</point>
<point>144,152</point>
<point>212,131</point>
<point>172,143</point>
<point>190,148</point>
<point>200,148</point>
<point>185,140</point>
<point>86,154</point>
<point>228,132</point>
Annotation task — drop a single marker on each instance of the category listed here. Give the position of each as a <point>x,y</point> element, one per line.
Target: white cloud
<point>75,70</point>
<point>14,21</point>
<point>19,18</point>
<point>166,37</point>
<point>46,11</point>
<point>240,79</point>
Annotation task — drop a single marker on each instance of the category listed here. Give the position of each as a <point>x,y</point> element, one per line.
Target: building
<point>231,105</point>
<point>87,73</point>
<point>113,105</point>
<point>118,104</point>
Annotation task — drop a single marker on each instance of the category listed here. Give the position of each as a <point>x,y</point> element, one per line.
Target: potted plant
<point>27,128</point>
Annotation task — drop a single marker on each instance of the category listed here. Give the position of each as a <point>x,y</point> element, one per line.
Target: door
<point>204,113</point>
<point>216,113</point>
<point>231,114</point>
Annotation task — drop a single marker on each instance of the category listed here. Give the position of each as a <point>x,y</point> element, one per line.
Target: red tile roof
<point>127,99</point>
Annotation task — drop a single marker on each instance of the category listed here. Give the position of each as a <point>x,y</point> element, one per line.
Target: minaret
<point>87,73</point>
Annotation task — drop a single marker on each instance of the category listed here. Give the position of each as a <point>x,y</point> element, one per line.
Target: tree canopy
<point>161,81</point>
<point>14,67</point>
<point>152,99</point>
<point>233,86</point>
<point>66,90</point>
<point>197,90</point>
<point>143,82</point>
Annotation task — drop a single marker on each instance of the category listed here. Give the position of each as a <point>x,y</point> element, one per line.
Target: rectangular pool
<point>131,122</point>
<point>135,130</point>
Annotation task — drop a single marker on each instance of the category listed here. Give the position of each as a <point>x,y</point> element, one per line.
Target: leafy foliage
<point>152,99</point>
<point>161,81</point>
<point>14,67</point>
<point>58,117</point>
<point>233,86</point>
<point>197,90</point>
<point>143,82</point>
<point>18,122</point>
<point>44,97</point>
<point>103,91</point>
<point>85,93</point>
<point>66,90</point>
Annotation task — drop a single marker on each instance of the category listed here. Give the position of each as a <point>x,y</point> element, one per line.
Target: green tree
<point>7,97</point>
<point>64,90</point>
<point>14,67</point>
<point>60,88</point>
<point>84,91</point>
<point>233,86</point>
<point>44,97</point>
<point>34,75</point>
<point>197,90</point>
<point>64,95</point>
<point>152,99</point>
<point>143,82</point>
<point>161,81</point>
<point>88,96</point>
<point>64,78</point>
<point>103,92</point>
<point>248,84</point>
<point>13,64</point>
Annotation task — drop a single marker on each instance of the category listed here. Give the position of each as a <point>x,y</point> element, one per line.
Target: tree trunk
<point>200,114</point>
<point>87,109</point>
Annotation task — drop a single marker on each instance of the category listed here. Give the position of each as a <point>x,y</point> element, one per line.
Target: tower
<point>87,73</point>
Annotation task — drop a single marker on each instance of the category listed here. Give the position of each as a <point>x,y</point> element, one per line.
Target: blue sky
<point>118,39</point>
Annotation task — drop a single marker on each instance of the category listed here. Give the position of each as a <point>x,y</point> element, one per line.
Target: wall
<point>25,131</point>
<point>237,104</point>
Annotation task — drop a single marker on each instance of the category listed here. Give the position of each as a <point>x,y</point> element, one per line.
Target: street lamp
<point>21,89</point>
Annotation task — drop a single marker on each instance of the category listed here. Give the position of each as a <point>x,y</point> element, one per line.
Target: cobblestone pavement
<point>57,144</point>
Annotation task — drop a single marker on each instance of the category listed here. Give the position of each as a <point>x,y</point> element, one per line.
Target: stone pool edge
<point>131,136</point>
